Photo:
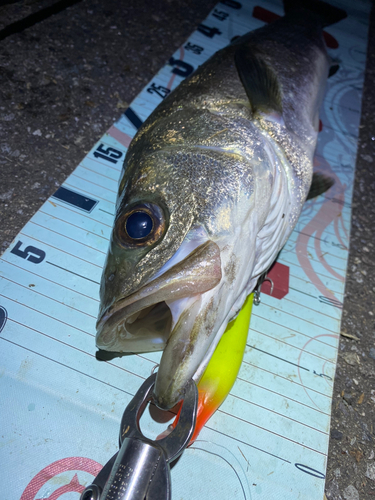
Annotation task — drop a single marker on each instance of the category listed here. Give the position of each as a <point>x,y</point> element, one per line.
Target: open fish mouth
<point>145,320</point>
<point>145,330</point>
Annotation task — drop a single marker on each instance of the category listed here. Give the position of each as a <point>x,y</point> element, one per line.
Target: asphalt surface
<point>66,78</point>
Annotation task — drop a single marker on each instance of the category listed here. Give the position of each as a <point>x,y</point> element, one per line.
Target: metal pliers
<point>140,470</point>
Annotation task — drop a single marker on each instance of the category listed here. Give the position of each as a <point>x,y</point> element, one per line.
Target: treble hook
<point>258,287</point>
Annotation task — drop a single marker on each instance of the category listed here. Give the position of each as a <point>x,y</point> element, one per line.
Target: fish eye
<point>140,225</point>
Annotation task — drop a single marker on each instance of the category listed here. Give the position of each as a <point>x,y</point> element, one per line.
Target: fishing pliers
<point>140,470</point>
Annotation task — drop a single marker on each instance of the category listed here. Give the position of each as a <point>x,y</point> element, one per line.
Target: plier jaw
<point>140,470</point>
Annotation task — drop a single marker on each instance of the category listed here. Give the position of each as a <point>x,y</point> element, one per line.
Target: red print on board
<point>329,213</point>
<point>59,467</point>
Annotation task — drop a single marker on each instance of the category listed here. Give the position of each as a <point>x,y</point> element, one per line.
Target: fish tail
<point>326,14</point>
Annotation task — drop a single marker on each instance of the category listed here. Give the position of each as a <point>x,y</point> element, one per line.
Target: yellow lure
<point>223,368</point>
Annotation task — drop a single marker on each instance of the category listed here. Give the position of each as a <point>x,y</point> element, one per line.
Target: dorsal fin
<point>259,81</point>
<point>325,13</point>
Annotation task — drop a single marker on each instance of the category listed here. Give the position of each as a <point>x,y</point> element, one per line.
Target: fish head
<point>179,260</point>
<point>152,219</point>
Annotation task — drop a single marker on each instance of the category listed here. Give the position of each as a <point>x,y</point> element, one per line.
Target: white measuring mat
<point>61,408</point>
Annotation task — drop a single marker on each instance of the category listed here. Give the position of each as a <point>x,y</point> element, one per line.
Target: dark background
<point>64,81</point>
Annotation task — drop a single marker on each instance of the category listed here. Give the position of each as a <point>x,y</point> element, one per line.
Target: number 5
<point>30,253</point>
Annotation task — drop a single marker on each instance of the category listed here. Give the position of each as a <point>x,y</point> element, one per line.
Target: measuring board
<point>61,407</point>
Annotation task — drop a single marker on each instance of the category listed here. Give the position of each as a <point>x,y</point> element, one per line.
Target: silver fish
<point>212,186</point>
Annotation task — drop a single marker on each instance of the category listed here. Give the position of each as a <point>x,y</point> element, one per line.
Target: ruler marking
<point>294,316</point>
<point>144,357</point>
<point>287,299</point>
<point>278,357</point>
<point>76,199</point>
<point>72,272</point>
<point>327,252</point>
<point>45,314</point>
<point>69,345</point>
<point>68,238</point>
<point>108,140</point>
<point>81,214</point>
<point>314,260</point>
<point>73,174</point>
<point>74,347</point>
<point>321,225</point>
<point>300,291</point>
<point>272,432</point>
<point>50,337</point>
<point>82,165</point>
<point>283,396</point>
<point>116,168</point>
<point>74,225</point>
<point>247,444</point>
<point>143,97</point>
<point>317,298</point>
<point>142,103</point>
<point>326,230</point>
<point>307,282</point>
<point>296,331</point>
<point>297,265</point>
<point>105,211</point>
<point>133,117</point>
<point>272,411</point>
<point>287,379</point>
<point>61,250</point>
<point>51,281</point>
<point>43,295</point>
<point>65,366</point>
<point>312,236</point>
<point>297,348</point>
<point>66,183</point>
<point>59,302</point>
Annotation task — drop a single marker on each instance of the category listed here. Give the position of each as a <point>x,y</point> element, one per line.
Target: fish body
<point>212,186</point>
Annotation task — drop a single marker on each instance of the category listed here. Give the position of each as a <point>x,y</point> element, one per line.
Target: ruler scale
<point>62,407</point>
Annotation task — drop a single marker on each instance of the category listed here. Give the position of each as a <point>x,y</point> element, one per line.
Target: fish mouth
<point>163,312</point>
<point>139,327</point>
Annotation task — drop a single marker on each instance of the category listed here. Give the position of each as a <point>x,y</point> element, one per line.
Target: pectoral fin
<point>259,81</point>
<point>319,185</point>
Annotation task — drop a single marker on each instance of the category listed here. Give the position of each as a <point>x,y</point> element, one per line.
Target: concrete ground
<point>65,79</point>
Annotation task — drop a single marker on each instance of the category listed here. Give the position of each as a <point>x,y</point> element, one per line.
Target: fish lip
<point>185,355</point>
<point>158,295</point>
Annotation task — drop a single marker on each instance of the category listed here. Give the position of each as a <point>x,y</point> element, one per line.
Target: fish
<point>212,185</point>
